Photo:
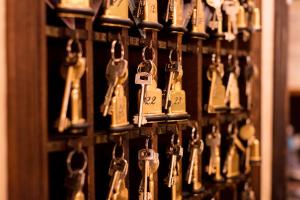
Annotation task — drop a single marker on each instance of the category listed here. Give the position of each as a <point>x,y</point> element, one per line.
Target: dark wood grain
<point>27,118</point>
<point>280,107</point>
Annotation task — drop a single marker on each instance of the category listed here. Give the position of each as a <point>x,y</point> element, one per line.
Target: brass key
<point>75,65</point>
<point>231,8</point>
<point>175,153</point>
<point>173,180</point>
<point>63,121</point>
<point>172,67</point>
<point>118,171</point>
<point>175,102</point>
<point>170,11</point>
<point>232,162</point>
<point>213,140</point>
<point>216,102</point>
<point>232,95</point>
<point>216,22</point>
<point>247,133</point>
<point>196,147</point>
<point>116,68</point>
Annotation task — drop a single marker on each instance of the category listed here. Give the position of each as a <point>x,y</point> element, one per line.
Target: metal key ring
<point>69,161</point>
<point>69,46</point>
<point>173,139</point>
<point>201,148</point>
<point>112,50</point>
<point>144,53</point>
<point>177,54</point>
<point>114,152</point>
<point>194,134</point>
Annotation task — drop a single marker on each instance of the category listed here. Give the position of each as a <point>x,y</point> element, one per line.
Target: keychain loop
<point>112,50</point>
<point>70,158</point>
<point>194,134</point>
<point>152,51</point>
<point>114,152</point>
<point>179,59</point>
<point>69,47</point>
<point>173,139</point>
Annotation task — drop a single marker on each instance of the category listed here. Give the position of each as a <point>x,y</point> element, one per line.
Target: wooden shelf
<point>210,188</point>
<point>63,142</point>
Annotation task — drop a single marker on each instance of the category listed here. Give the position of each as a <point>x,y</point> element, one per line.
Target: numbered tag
<point>178,104</point>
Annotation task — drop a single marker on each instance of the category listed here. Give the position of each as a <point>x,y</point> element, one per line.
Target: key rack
<point>98,142</point>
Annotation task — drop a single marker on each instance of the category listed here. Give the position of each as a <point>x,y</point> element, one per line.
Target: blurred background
<point>293,129</point>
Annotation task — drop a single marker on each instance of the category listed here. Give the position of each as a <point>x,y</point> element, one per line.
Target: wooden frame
<point>280,100</point>
<point>26,105</point>
<point>29,139</point>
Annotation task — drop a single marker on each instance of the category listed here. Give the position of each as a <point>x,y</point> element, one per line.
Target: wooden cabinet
<point>37,165</point>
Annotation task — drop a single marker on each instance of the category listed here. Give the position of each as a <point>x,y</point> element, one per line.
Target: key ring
<point>144,53</point>
<point>119,143</point>
<point>69,47</point>
<point>114,152</point>
<point>173,139</point>
<point>69,161</point>
<point>112,51</point>
<point>194,134</point>
<point>179,59</point>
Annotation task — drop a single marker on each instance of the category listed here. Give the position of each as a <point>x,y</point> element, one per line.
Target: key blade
<point>172,168</point>
<point>108,96</point>
<point>64,107</point>
<point>146,173</point>
<point>143,79</point>
<point>141,106</point>
<point>168,90</point>
<point>191,166</point>
<point>113,188</point>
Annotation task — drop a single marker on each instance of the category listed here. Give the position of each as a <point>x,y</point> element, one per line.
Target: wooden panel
<point>27,121</point>
<point>280,101</point>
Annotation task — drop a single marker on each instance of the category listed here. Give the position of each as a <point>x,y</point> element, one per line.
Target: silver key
<point>193,158</point>
<point>143,79</point>
<point>176,153</point>
<point>145,156</point>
